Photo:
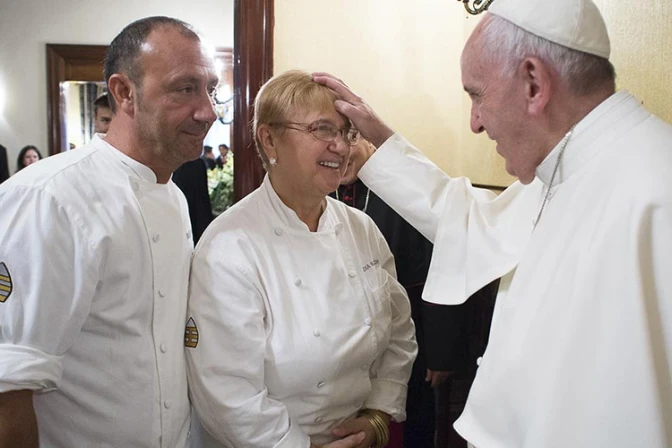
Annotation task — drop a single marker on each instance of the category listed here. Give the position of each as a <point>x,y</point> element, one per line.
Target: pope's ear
<point>123,90</point>
<point>538,84</point>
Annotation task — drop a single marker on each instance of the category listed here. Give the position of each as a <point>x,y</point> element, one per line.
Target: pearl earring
<point>273,161</point>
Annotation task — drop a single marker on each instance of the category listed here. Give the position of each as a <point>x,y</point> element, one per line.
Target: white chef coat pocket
<point>381,306</point>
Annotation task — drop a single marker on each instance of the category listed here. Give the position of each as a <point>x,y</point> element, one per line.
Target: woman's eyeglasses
<point>326,132</point>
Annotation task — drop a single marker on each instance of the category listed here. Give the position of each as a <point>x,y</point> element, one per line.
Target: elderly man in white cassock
<point>580,350</point>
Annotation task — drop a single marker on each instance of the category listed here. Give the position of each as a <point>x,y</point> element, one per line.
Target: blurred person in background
<point>27,156</point>
<point>224,153</point>
<point>102,114</point>
<point>209,157</point>
<point>4,164</point>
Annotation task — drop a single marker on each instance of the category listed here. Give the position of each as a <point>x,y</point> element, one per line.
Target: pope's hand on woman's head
<point>355,108</point>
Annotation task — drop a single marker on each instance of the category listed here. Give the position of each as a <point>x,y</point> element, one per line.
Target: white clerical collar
<point>142,171</point>
<point>580,148</point>
<point>288,217</point>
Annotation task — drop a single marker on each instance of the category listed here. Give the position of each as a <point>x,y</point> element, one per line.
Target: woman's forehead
<point>317,113</point>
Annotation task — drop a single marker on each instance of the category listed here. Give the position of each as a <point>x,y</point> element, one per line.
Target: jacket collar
<point>617,113</point>
<point>140,170</point>
<point>287,218</point>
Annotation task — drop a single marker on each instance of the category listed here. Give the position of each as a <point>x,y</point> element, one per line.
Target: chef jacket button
<point>365,367</point>
<point>316,333</point>
<point>367,321</point>
<point>163,348</point>
<point>320,384</point>
<point>297,281</point>
<point>338,230</point>
<point>161,293</point>
<point>318,420</point>
<point>352,274</point>
<point>135,186</point>
<point>167,404</point>
<point>156,237</point>
<point>278,231</point>
<point>478,360</point>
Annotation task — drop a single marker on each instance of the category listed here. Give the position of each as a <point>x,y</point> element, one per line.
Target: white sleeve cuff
<point>389,397</point>
<point>387,150</point>
<point>24,367</point>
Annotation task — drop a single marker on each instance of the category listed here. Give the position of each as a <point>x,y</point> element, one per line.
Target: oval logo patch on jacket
<point>5,283</point>
<point>191,334</point>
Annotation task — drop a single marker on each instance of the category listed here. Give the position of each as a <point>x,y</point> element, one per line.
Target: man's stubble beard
<point>153,138</point>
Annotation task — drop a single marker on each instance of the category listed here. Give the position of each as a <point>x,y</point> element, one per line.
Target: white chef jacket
<point>580,349</point>
<point>98,254</point>
<point>297,330</point>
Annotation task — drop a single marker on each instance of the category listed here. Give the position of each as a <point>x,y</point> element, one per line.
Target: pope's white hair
<point>508,45</point>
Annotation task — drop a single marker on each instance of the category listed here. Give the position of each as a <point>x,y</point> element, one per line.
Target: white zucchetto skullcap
<point>576,24</point>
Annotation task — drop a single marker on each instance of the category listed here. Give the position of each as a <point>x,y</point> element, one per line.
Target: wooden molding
<point>68,63</point>
<point>490,187</point>
<point>252,66</point>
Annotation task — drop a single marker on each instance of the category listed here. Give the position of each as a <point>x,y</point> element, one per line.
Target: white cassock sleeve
<point>406,180</point>
<point>50,273</point>
<point>392,370</point>
<point>226,369</point>
<point>478,236</point>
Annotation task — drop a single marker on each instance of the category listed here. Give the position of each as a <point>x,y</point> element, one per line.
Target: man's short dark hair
<point>122,54</point>
<point>101,101</point>
<point>207,149</point>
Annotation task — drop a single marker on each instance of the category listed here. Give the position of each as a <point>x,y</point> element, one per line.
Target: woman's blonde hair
<point>285,94</point>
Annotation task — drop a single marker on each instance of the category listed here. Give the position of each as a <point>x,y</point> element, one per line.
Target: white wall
<point>26,26</point>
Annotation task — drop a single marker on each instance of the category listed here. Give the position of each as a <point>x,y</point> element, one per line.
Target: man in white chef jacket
<point>95,247</point>
<point>580,350</point>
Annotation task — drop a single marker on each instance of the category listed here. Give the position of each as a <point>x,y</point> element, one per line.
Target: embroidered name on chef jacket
<point>5,283</point>
<point>191,334</point>
<point>370,264</point>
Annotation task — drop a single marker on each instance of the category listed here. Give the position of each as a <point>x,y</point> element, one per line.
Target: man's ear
<point>123,90</point>
<point>538,82</point>
<point>269,141</point>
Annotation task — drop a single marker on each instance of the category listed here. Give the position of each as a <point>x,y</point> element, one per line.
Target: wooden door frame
<point>68,63</point>
<point>252,66</point>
